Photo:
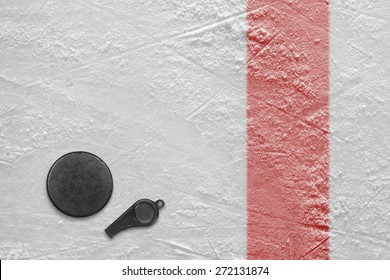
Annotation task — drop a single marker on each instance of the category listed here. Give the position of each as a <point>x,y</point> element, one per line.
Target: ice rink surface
<point>360,129</point>
<point>157,89</point>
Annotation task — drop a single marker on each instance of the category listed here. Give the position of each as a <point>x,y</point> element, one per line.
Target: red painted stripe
<point>287,129</point>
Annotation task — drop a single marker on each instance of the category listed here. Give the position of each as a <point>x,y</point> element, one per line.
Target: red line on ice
<point>287,129</point>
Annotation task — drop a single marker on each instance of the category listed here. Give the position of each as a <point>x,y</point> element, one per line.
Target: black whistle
<point>143,213</point>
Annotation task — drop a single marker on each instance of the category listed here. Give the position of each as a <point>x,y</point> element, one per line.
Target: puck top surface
<point>79,184</point>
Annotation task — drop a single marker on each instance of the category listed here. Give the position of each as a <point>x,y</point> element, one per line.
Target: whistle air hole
<point>144,213</point>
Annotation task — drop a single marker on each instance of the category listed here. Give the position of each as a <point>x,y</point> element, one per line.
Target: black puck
<point>79,184</point>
